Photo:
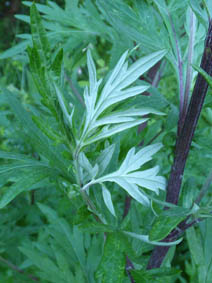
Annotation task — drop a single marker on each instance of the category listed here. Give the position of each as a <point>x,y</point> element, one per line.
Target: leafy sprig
<point>130,179</point>
<point>117,89</point>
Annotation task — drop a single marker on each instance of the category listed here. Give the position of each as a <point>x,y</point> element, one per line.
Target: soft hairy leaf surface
<point>145,238</point>
<point>116,89</point>
<point>130,181</point>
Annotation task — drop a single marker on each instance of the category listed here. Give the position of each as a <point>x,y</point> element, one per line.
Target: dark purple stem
<point>183,142</point>
<point>159,253</point>
<point>127,205</point>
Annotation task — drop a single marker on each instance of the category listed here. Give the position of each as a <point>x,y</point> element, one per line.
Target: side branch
<point>184,140</point>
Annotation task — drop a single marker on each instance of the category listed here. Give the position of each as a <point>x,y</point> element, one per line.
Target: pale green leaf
<point>134,161</point>
<point>89,169</point>
<point>145,238</point>
<point>63,106</point>
<point>15,50</point>
<point>140,67</point>
<point>124,116</point>
<point>104,158</point>
<point>130,181</point>
<point>92,74</point>
<point>131,189</point>
<point>23,18</point>
<point>107,199</point>
<point>109,131</point>
<point>115,90</point>
<point>122,95</point>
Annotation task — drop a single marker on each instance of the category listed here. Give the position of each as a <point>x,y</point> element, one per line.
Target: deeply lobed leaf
<point>130,181</point>
<point>116,89</point>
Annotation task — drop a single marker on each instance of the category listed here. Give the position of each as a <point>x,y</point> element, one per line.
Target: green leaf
<point>66,114</point>
<point>25,184</point>
<point>115,90</point>
<point>156,275</point>
<point>172,118</point>
<point>108,131</point>
<point>92,77</point>
<point>107,199</point>
<point>51,271</point>
<point>57,64</point>
<point>207,77</point>
<point>91,227</point>
<point>180,211</point>
<point>40,78</point>
<point>112,265</point>
<point>62,262</point>
<point>124,116</point>
<point>89,169</point>
<point>139,68</point>
<point>156,100</point>
<point>17,156</point>
<point>47,130</point>
<point>15,50</point>
<point>39,37</point>
<point>122,77</point>
<point>129,180</point>
<point>145,238</point>
<point>24,18</point>
<point>39,141</point>
<point>74,238</point>
<point>199,12</point>
<point>195,246</point>
<point>163,225</point>
<point>104,158</point>
<point>16,166</point>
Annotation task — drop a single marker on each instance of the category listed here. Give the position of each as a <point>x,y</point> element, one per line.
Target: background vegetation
<point>49,231</point>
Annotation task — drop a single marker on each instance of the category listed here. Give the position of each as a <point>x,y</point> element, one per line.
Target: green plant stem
<point>184,140</point>
<point>189,68</point>
<point>179,65</point>
<point>83,192</point>
<point>155,137</point>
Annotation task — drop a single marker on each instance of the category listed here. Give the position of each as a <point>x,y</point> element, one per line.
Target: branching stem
<point>183,142</point>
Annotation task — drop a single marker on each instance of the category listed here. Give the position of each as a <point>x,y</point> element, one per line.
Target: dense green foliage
<point>90,101</point>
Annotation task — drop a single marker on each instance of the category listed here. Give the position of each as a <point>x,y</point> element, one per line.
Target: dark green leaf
<point>39,141</point>
<point>156,275</point>
<point>162,226</point>
<point>25,184</point>
<point>39,37</point>
<point>112,265</point>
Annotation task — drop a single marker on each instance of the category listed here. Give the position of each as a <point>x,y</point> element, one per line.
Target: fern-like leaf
<point>131,180</point>
<point>117,89</point>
